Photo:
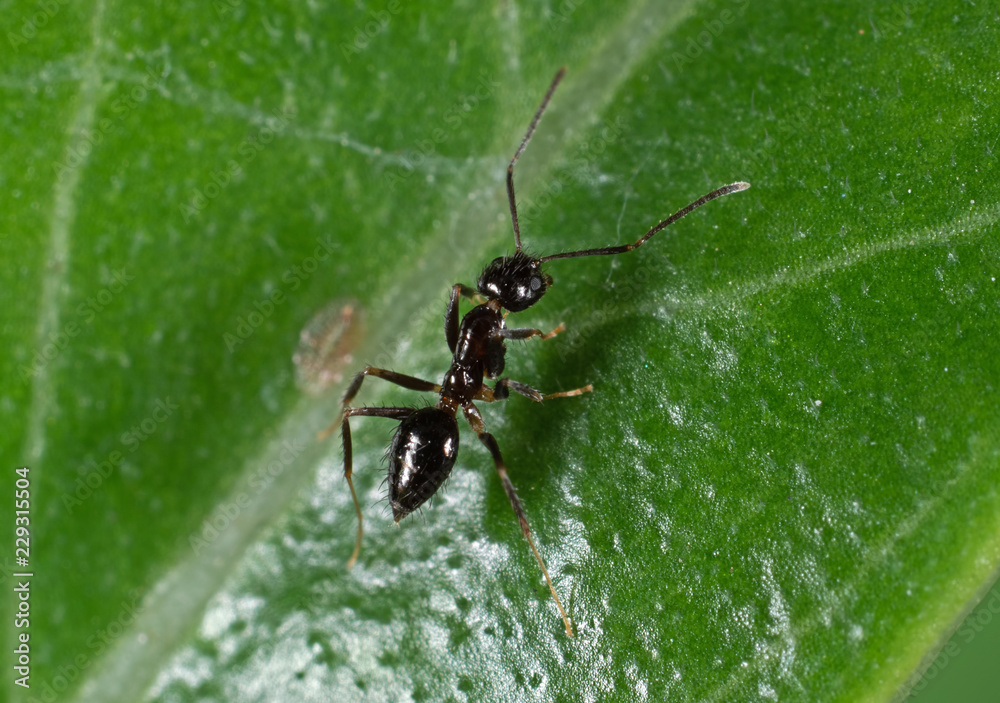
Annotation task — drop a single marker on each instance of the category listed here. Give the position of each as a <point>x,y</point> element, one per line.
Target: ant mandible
<point>425,445</point>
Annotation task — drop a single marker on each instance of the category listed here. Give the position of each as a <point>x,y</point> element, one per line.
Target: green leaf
<point>783,486</point>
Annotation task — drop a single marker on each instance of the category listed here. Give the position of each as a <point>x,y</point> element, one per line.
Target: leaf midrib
<point>172,608</point>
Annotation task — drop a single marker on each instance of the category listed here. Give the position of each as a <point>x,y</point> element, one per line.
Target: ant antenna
<point>621,249</point>
<point>520,149</point>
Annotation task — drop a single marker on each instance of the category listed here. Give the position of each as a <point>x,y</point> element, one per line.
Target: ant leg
<point>529,332</point>
<point>395,414</point>
<point>451,313</point>
<point>400,379</point>
<point>500,391</point>
<point>476,421</point>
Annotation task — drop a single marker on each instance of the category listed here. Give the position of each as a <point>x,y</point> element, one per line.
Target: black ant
<point>425,445</point>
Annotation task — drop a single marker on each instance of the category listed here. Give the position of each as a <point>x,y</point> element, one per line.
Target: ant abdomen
<point>421,457</point>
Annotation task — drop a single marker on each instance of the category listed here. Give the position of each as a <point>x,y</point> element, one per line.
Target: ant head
<point>516,282</point>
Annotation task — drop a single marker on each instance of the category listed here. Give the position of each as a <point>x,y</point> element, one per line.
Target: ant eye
<point>536,283</point>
